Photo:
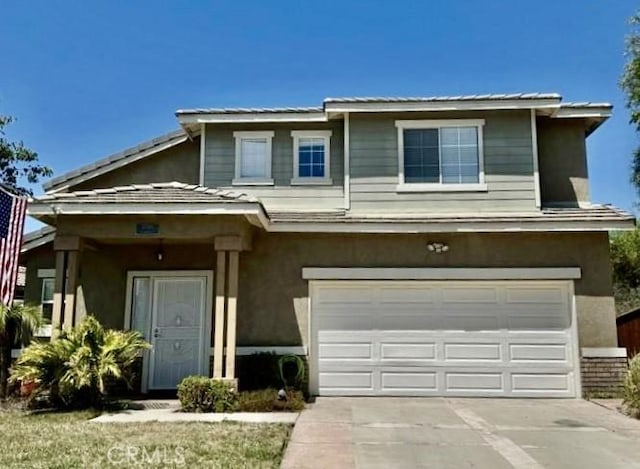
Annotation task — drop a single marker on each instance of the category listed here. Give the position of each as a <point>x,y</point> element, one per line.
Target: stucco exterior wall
<point>42,257</point>
<point>562,158</point>
<point>273,301</point>
<point>180,163</point>
<point>273,297</point>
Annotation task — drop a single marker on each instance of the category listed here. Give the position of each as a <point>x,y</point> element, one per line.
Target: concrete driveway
<point>458,433</point>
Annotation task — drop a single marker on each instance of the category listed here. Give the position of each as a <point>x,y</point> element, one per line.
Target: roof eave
<point>450,105</point>
<point>85,173</point>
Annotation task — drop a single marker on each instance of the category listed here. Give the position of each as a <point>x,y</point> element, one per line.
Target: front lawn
<point>65,440</point>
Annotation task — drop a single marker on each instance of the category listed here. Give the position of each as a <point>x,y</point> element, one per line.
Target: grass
<point>68,440</point>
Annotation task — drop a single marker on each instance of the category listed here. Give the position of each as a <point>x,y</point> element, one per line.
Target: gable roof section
<point>37,238</point>
<point>156,193</point>
<point>117,160</point>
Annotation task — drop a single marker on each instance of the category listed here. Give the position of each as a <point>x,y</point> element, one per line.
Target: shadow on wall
<point>562,162</point>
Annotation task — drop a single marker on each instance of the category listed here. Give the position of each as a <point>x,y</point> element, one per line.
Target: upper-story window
<point>440,155</point>
<point>311,157</point>
<point>253,157</point>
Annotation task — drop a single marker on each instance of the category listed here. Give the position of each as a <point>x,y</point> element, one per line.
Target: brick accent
<point>603,375</point>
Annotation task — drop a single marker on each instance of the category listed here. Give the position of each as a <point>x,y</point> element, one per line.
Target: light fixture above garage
<point>438,248</point>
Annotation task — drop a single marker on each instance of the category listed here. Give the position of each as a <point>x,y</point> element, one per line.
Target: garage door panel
<point>395,381</point>
<point>530,321</point>
<point>462,321</point>
<point>347,380</point>
<point>472,352</point>
<point>541,381</point>
<point>535,296</point>
<point>473,381</point>
<point>475,295</point>
<point>408,321</point>
<point>415,296</point>
<point>407,351</point>
<point>341,322</point>
<point>344,351</point>
<point>539,352</point>
<point>425,338</point>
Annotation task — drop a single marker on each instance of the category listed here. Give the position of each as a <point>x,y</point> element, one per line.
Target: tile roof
<point>587,104</point>
<point>604,213</point>
<point>249,110</point>
<point>37,238</point>
<point>373,99</point>
<point>163,192</point>
<point>175,137</point>
<point>419,99</point>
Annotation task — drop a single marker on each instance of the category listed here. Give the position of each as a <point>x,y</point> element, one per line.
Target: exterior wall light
<point>438,248</point>
<point>160,253</point>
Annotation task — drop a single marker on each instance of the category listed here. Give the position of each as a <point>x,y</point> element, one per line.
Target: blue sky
<point>86,79</point>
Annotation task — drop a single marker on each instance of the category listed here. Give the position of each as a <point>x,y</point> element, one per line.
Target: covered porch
<point>167,268</point>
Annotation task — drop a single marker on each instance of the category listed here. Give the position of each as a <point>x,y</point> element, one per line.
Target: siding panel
<point>220,167</point>
<point>508,162</point>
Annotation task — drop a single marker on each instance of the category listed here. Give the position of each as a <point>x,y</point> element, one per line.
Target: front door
<point>177,326</point>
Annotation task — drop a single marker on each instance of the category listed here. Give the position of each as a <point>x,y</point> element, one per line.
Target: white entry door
<point>177,330</point>
<point>443,338</point>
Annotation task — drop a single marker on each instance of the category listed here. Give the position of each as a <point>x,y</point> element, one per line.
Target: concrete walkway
<point>169,411</point>
<point>459,433</point>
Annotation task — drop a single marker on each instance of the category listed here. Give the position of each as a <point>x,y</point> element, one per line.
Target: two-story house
<point>441,246</point>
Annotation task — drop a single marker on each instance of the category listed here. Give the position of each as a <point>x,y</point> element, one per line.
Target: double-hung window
<point>440,155</point>
<point>47,276</point>
<point>311,156</point>
<point>253,157</point>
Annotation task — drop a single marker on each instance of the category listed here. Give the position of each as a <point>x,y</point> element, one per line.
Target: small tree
<point>18,323</point>
<point>630,84</point>
<point>625,264</point>
<point>17,162</point>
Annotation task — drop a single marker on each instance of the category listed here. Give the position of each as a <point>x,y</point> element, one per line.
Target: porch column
<point>67,249</point>
<point>73,258</point>
<point>228,249</point>
<point>232,300</point>
<point>218,342</point>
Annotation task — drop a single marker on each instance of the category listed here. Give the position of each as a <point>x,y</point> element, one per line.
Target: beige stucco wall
<point>562,157</point>
<point>273,302</point>
<point>273,297</point>
<point>39,258</point>
<point>180,163</point>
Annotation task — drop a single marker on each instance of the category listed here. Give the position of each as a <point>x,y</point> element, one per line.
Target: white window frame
<point>45,275</point>
<point>261,181</point>
<point>403,186</point>
<point>297,180</point>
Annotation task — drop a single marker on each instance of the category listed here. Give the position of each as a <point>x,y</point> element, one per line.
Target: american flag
<point>12,213</point>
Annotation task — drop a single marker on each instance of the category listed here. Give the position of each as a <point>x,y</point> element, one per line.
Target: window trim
<point>249,181</point>
<point>45,276</point>
<point>403,186</point>
<point>298,180</point>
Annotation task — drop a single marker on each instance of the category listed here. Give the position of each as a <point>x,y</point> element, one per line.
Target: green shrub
<point>202,394</point>
<point>76,369</point>
<point>266,400</point>
<point>632,385</point>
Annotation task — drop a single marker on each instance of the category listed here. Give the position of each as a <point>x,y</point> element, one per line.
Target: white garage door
<point>425,338</point>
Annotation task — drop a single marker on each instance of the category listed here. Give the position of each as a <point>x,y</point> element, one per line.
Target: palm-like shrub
<point>76,369</point>
<point>18,323</point>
